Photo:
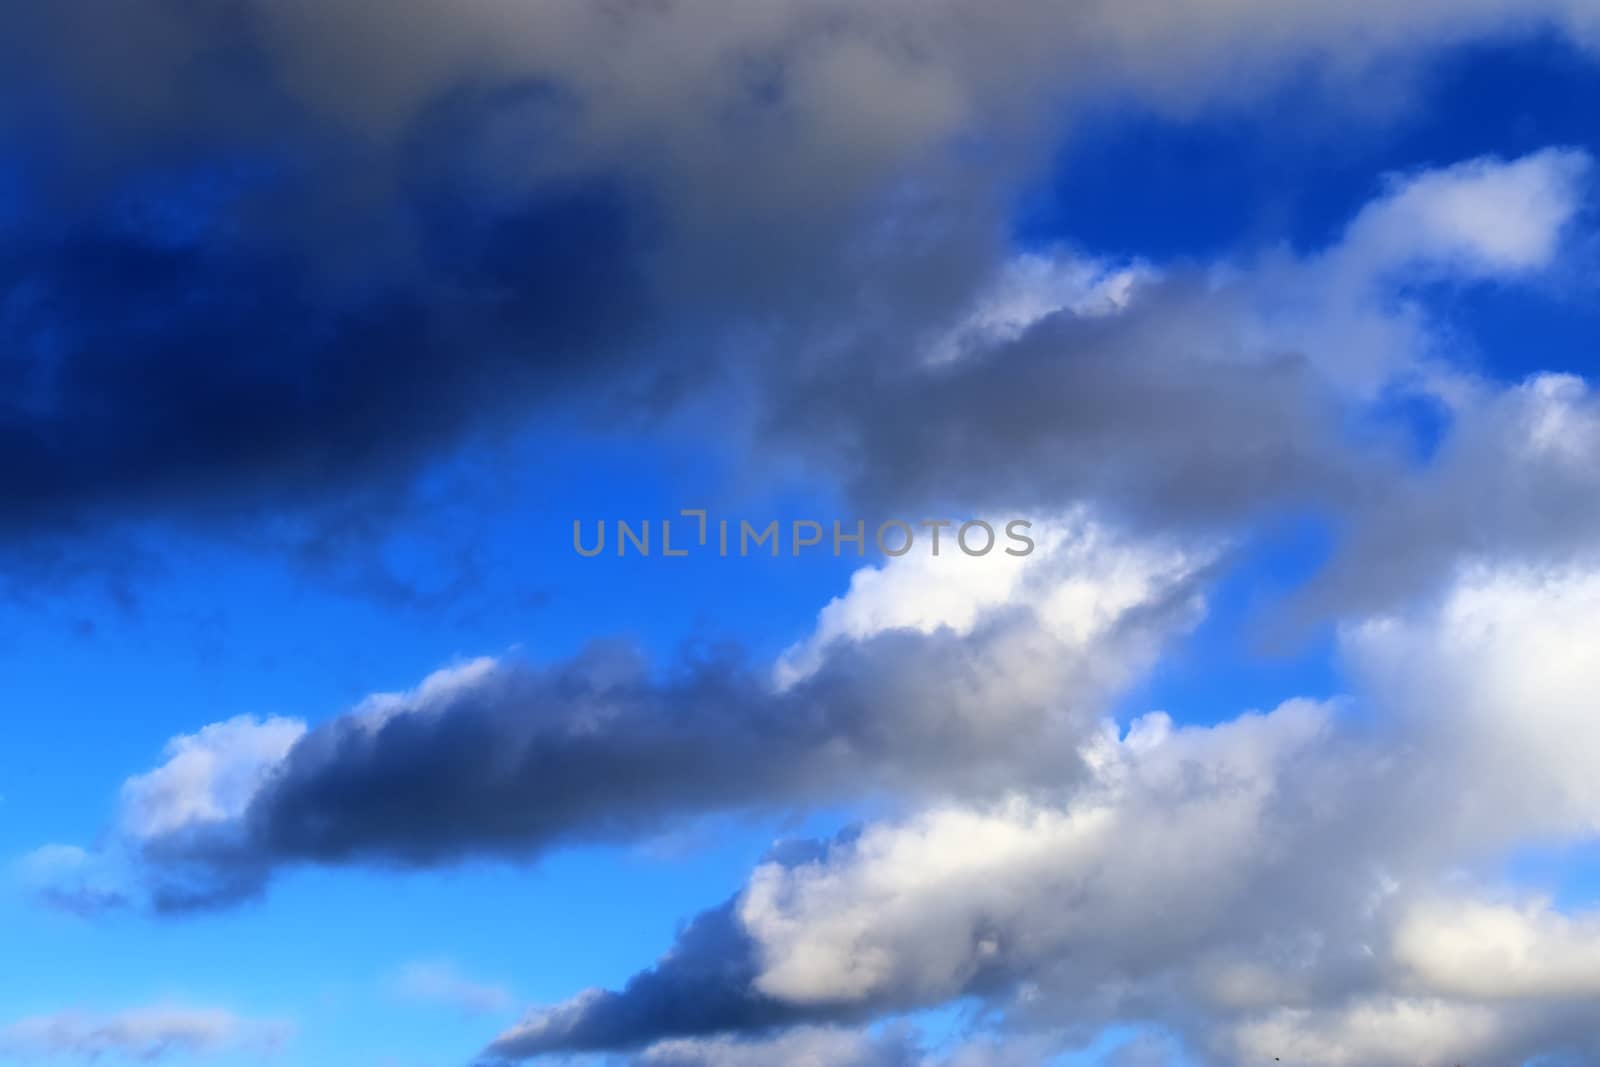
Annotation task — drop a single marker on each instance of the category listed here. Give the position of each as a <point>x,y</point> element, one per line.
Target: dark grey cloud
<point>1165,412</point>
<point>703,986</point>
<point>161,354</point>
<point>508,759</point>
<point>520,759</point>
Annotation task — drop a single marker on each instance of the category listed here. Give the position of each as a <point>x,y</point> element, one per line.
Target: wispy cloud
<point>442,982</point>
<point>147,1034</point>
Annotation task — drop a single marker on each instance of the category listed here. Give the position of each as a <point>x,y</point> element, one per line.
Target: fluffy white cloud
<point>919,910</point>
<point>1501,681</point>
<point>1483,950</point>
<point>1082,579</point>
<point>1484,218</point>
<point>209,777</point>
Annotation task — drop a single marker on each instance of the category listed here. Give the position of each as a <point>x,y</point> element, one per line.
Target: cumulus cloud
<point>1500,951</point>
<point>146,1034</point>
<point>1280,885</point>
<point>893,694</point>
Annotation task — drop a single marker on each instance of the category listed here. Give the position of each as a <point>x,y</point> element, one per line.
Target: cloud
<point>1485,218</point>
<point>1205,398</point>
<point>1194,396</point>
<point>72,879</point>
<point>1423,1030</point>
<point>892,695</point>
<point>212,375</point>
<point>806,1047</point>
<point>209,777</point>
<point>146,1034</point>
<point>1096,581</point>
<point>811,1046</point>
<point>1512,480</point>
<point>1501,951</point>
<point>1286,884</point>
<point>438,982</point>
<point>960,901</point>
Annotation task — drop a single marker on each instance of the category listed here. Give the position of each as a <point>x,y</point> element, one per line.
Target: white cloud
<point>1484,218</point>
<point>1158,846</point>
<point>209,776</point>
<point>1501,680</point>
<point>1481,950</point>
<point>432,695</point>
<point>1348,307</point>
<point>1034,286</point>
<point>1418,1032</point>
<point>1083,579</point>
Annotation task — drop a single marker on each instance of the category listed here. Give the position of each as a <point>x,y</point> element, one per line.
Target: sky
<point>1238,358</point>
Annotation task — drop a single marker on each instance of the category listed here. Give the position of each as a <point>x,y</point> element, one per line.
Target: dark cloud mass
<point>147,367</point>
<point>292,250</point>
<point>705,985</point>
<point>1164,412</point>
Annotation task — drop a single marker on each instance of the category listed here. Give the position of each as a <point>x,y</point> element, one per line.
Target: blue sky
<point>320,335</point>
